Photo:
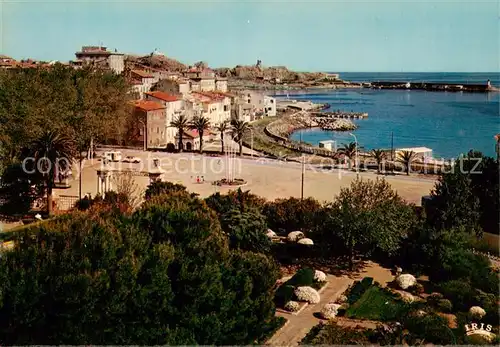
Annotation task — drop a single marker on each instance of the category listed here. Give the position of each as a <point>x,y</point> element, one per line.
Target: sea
<point>450,123</point>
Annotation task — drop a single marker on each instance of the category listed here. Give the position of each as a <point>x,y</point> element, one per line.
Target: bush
<point>445,305</point>
<point>430,328</point>
<point>159,188</point>
<point>333,334</point>
<point>272,327</point>
<point>303,277</point>
<point>246,230</point>
<point>460,293</point>
<point>290,214</point>
<point>283,295</point>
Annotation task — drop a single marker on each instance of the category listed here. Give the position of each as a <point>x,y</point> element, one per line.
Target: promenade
<point>270,179</point>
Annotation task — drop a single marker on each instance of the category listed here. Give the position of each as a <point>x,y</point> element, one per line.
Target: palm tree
<point>349,150</point>
<point>406,158</point>
<point>200,124</point>
<point>181,123</point>
<point>379,156</point>
<point>222,128</point>
<point>53,152</point>
<point>240,127</point>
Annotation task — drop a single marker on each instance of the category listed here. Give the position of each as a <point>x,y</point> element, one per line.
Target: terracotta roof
<point>148,105</point>
<point>211,95</point>
<point>142,74</point>
<point>163,96</point>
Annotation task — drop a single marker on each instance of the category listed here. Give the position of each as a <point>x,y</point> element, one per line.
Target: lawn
<point>376,304</point>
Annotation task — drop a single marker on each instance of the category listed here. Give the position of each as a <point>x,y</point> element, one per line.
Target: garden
<point>411,311</point>
<point>301,289</point>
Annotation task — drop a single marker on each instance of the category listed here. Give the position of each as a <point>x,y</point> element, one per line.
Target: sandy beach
<point>270,179</point>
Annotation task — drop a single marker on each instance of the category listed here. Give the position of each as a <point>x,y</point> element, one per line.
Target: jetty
<point>432,86</point>
<point>340,114</point>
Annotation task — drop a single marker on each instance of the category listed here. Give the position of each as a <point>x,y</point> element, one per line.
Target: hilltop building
<point>100,56</point>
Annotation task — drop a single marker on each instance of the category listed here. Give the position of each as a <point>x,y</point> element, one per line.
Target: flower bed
<point>305,277</point>
<point>226,182</point>
<point>377,303</point>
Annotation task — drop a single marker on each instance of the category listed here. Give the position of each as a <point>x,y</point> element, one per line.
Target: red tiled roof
<point>142,74</point>
<point>213,96</point>
<point>163,96</point>
<point>148,105</point>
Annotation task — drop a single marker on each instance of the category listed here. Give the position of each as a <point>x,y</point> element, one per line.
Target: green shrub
<point>430,328</point>
<point>303,277</point>
<point>367,282</point>
<point>460,293</point>
<point>445,305</point>
<point>333,334</point>
<point>283,294</point>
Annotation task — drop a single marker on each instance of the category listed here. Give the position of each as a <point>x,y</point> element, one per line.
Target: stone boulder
<point>307,294</point>
<point>477,312</point>
<point>329,311</point>
<point>306,241</point>
<point>271,233</point>
<point>406,281</point>
<point>295,236</point>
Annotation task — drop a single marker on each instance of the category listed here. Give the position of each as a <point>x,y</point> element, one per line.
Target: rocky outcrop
<point>406,281</point>
<point>273,73</point>
<point>160,62</point>
<point>336,124</point>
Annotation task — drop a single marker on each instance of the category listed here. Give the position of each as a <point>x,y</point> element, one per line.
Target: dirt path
<point>299,325</point>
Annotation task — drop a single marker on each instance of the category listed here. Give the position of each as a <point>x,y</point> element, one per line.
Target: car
<point>131,159</point>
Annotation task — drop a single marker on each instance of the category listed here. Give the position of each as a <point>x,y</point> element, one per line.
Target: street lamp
<point>356,155</point>
<point>251,142</point>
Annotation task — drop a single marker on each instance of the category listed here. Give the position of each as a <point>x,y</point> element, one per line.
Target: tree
<point>162,275</point>
<point>368,217</point>
<point>222,128</point>
<point>379,156</point>
<point>18,189</point>
<point>349,150</point>
<point>181,123</point>
<point>243,201</point>
<point>246,231</point>
<point>467,196</point>
<point>53,153</point>
<point>239,129</point>
<point>200,124</point>
<point>406,158</point>
<point>291,214</point>
<point>159,188</point>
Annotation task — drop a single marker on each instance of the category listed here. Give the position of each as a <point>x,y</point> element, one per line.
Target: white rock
<point>319,276</point>
<point>307,294</point>
<point>406,281</point>
<point>306,241</point>
<point>341,299</point>
<point>271,233</point>
<point>294,236</point>
<point>330,311</point>
<point>292,306</point>
<point>477,312</point>
<point>407,297</point>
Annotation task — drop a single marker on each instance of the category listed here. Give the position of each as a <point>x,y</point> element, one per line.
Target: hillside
<point>157,61</point>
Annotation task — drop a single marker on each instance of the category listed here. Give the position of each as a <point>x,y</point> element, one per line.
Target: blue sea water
<point>450,123</point>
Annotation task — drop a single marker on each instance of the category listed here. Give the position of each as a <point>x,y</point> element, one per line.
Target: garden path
<point>299,325</point>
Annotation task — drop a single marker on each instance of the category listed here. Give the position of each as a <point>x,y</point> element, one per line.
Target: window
<point>272,101</point>
<point>226,108</point>
<point>157,130</point>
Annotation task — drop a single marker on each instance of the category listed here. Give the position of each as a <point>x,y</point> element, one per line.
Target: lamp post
<point>356,155</point>
<point>251,142</point>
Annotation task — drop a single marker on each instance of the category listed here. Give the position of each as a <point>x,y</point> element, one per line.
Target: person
<point>197,179</point>
<point>202,179</point>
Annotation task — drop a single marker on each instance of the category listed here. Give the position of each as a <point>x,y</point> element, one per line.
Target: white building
<point>142,81</point>
<point>100,56</point>
<point>421,153</point>
<point>174,107</point>
<point>263,104</point>
<point>216,107</point>
<point>221,84</point>
<point>269,106</point>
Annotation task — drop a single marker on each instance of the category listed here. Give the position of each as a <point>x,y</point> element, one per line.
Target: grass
<point>376,304</point>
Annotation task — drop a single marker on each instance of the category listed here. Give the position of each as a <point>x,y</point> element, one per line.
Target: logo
<point>474,328</point>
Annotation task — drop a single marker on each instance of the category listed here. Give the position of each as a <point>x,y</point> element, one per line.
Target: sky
<point>385,36</point>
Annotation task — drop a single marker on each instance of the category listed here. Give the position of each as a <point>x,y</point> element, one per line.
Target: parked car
<point>131,159</point>
<point>112,156</point>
